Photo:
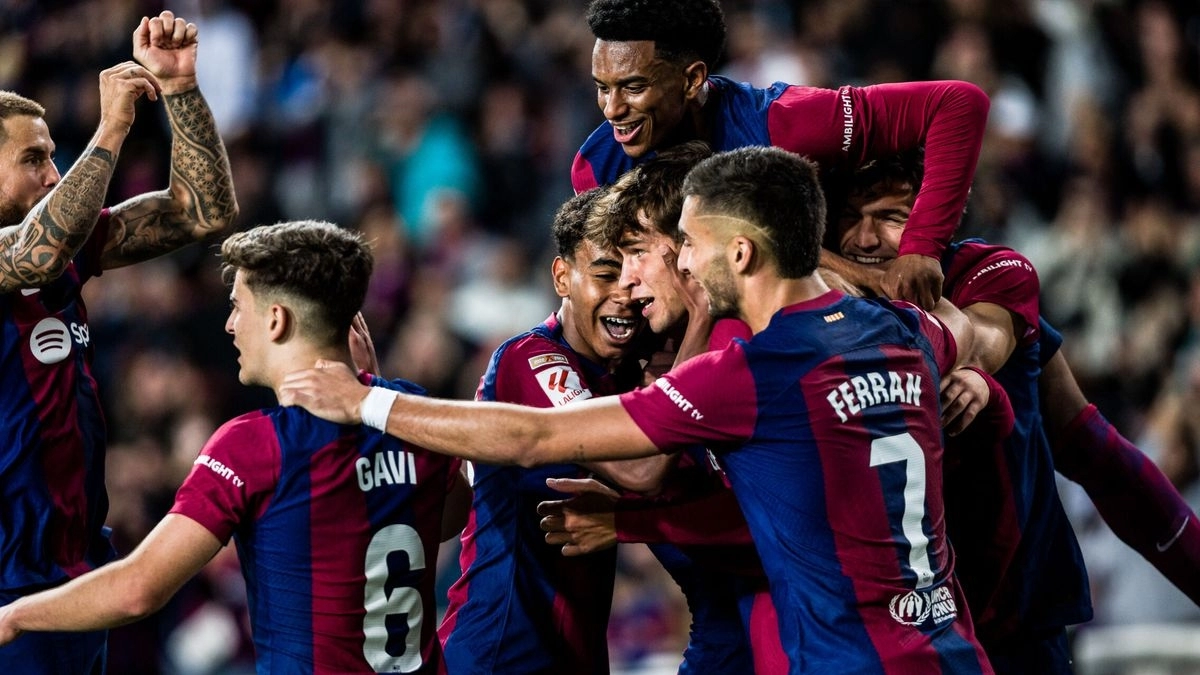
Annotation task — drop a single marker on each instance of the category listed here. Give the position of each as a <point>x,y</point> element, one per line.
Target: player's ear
<point>280,322</point>
<point>561,271</point>
<point>742,253</point>
<point>695,75</point>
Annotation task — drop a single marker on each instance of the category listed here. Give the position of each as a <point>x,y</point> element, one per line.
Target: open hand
<point>584,523</point>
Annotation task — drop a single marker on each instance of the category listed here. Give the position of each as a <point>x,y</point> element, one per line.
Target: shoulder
<point>972,261</point>
<point>600,160</point>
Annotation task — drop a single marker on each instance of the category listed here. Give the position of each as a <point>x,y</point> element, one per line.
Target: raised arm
<point>494,433</point>
<point>199,201</point>
<point>38,250</point>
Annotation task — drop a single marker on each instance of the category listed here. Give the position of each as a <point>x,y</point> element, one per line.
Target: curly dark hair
<point>682,30</point>
<point>570,221</point>
<point>319,267</point>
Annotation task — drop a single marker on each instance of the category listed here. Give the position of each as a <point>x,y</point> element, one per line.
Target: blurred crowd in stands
<point>444,130</point>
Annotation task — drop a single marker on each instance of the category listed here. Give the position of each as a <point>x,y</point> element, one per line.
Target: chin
<point>635,151</point>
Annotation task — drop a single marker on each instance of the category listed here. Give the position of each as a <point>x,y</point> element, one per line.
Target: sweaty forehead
<point>619,61</point>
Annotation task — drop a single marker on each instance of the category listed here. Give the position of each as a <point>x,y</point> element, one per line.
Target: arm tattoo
<point>198,160</point>
<point>200,201</point>
<point>39,249</point>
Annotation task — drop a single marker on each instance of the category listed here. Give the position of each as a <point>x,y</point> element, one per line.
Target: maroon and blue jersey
<point>1019,562</point>
<point>839,129</point>
<point>688,525</point>
<point>337,530</point>
<point>827,424</point>
<point>520,606</point>
<point>53,432</point>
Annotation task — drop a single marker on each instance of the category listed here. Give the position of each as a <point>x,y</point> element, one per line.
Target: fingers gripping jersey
<point>337,530</point>
<point>828,426</point>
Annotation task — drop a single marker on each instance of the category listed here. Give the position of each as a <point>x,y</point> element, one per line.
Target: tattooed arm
<point>38,249</point>
<point>199,201</point>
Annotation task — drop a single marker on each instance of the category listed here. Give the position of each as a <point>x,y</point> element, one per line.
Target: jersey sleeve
<point>1005,278</point>
<point>724,332</point>
<point>88,259</point>
<point>850,125</point>
<point>583,178</point>
<point>703,518</point>
<point>710,399</point>
<point>941,340</point>
<point>540,373</point>
<point>234,476</point>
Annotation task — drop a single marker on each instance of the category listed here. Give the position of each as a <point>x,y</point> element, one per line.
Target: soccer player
<point>337,527</point>
<point>519,606</point>
<point>54,237</point>
<point>1018,560</point>
<point>651,63</point>
<point>827,420</point>
<point>720,573</point>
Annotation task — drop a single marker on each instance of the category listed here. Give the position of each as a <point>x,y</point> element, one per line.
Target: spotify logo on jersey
<point>50,341</point>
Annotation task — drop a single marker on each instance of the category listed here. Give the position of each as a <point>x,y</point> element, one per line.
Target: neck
<point>289,358</point>
<point>761,297</point>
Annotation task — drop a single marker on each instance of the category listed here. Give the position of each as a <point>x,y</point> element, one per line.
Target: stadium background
<point>444,130</point>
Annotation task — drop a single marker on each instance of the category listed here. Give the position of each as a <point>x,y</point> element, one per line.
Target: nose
<point>52,175</point>
<point>229,324</point>
<point>684,261</point>
<point>865,235</point>
<point>628,278</point>
<point>613,104</point>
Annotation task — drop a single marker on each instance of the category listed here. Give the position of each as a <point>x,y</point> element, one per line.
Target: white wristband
<point>375,408</point>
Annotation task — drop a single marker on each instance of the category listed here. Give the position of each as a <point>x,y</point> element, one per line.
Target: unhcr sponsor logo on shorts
<point>916,607</point>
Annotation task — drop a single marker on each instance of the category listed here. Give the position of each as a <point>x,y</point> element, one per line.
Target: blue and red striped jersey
<point>520,606</point>
<point>827,423</point>
<point>1020,563</point>
<point>337,531</point>
<point>838,128</point>
<point>52,432</point>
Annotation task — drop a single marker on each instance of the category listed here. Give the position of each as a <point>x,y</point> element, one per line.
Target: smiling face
<point>871,225</point>
<point>27,171</point>
<point>648,270</point>
<point>643,97</point>
<point>599,321</point>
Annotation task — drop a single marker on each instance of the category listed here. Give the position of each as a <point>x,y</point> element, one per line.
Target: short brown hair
<point>323,269</point>
<point>13,105</point>
<point>651,188</point>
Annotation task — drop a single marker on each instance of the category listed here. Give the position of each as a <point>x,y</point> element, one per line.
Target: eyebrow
<point>606,262</point>
<point>626,80</point>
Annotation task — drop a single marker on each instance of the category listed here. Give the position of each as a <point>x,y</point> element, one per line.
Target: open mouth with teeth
<point>868,259</point>
<point>624,133</point>
<point>642,305</point>
<point>618,328</point>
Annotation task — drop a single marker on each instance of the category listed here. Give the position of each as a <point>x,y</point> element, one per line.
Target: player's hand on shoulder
<point>915,278</point>
<point>330,390</point>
